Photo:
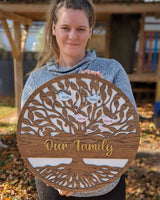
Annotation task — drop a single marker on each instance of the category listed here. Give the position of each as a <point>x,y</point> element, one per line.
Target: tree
<point>77,118</point>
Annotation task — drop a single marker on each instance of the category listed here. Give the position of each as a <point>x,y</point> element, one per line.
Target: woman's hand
<point>96,73</point>
<point>62,192</point>
<point>66,193</point>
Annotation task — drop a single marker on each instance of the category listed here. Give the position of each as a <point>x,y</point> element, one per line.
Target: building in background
<point>152,26</point>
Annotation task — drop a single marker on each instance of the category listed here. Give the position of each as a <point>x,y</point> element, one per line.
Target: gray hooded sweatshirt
<point>111,70</point>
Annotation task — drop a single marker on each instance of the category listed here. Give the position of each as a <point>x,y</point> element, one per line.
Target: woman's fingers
<point>96,73</point>
<point>99,74</point>
<point>66,193</point>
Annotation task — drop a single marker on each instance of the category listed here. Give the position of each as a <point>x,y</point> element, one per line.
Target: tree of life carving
<point>78,132</point>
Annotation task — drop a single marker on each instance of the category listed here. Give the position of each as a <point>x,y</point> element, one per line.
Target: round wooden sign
<point>78,132</point>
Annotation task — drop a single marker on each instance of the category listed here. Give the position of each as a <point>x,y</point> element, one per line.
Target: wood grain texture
<point>78,132</point>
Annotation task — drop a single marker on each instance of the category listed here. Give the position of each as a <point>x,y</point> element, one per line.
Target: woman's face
<point>72,33</point>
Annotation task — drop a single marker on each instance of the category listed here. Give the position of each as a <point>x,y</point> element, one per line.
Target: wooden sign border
<point>79,145</point>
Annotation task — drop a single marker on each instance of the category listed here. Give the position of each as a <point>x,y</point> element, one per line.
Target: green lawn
<point>5,110</point>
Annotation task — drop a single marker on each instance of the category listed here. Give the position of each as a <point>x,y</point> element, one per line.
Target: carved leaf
<point>109,91</point>
<point>71,119</point>
<point>64,112</point>
<point>105,110</point>
<point>102,89</point>
<point>60,85</point>
<point>82,113</point>
<point>89,110</point>
<point>128,115</point>
<point>84,85</point>
<point>56,103</point>
<point>96,86</point>
<point>70,102</point>
<point>35,102</point>
<point>104,96</point>
<point>59,122</point>
<point>92,84</point>
<point>42,95</point>
<point>84,93</point>
<point>39,115</point>
<point>48,101</point>
<point>31,116</point>
<point>38,122</point>
<point>67,83</point>
<point>116,104</point>
<point>74,86</point>
<point>99,113</point>
<point>27,122</point>
<point>52,89</point>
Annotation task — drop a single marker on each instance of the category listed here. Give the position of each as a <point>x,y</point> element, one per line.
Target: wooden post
<point>17,44</point>
<point>24,37</point>
<point>9,36</point>
<point>18,66</point>
<point>107,40</point>
<point>141,38</point>
<point>157,99</point>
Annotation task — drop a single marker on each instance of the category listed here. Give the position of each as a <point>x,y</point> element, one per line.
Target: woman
<point>67,31</point>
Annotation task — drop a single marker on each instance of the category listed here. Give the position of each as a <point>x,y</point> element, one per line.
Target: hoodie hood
<point>82,65</point>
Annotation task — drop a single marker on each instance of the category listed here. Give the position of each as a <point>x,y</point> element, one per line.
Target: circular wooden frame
<point>78,132</point>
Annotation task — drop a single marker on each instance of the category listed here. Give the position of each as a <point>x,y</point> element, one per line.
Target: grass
<point>5,110</point>
<point>7,127</point>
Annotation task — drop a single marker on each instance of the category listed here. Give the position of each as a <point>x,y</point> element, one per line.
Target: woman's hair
<point>50,50</point>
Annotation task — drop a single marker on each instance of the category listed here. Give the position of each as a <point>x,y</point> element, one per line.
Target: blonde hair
<point>50,49</point>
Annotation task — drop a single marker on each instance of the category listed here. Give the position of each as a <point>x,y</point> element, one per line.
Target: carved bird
<point>64,96</point>
<point>107,120</point>
<point>102,128</point>
<point>94,98</point>
<point>81,118</point>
